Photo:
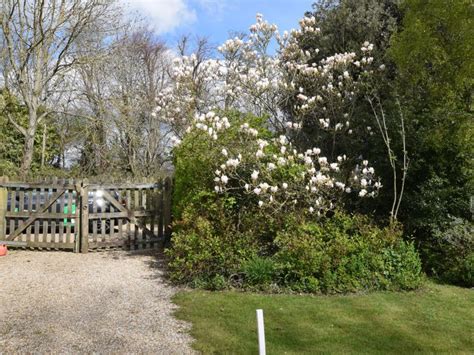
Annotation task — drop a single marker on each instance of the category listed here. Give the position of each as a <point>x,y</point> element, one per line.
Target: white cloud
<point>213,7</point>
<point>164,15</point>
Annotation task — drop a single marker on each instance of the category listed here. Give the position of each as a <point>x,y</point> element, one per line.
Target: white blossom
<point>250,80</point>
<point>255,175</point>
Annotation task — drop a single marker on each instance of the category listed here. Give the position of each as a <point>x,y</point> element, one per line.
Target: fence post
<point>84,216</point>
<point>3,207</point>
<point>167,209</point>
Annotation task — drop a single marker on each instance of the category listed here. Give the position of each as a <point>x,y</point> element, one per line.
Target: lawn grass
<point>435,319</point>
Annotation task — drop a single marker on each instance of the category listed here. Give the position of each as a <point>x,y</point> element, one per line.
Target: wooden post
<point>261,333</point>
<point>167,209</point>
<point>84,217</point>
<point>3,207</point>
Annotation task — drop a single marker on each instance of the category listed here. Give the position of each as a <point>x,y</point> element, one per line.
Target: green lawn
<point>435,319</point>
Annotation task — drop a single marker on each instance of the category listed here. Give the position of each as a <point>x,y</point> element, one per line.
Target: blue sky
<point>215,18</point>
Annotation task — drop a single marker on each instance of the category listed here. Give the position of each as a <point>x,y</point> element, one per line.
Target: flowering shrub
<point>270,171</point>
<point>236,198</point>
<point>274,171</point>
<point>248,78</point>
<point>281,178</point>
<point>241,179</point>
<point>199,155</point>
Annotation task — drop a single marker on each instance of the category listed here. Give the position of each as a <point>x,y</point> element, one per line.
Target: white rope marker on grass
<point>261,333</point>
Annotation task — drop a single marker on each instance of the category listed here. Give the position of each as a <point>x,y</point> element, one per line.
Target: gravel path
<point>109,302</point>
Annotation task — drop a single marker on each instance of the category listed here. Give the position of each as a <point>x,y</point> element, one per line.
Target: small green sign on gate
<point>73,211</point>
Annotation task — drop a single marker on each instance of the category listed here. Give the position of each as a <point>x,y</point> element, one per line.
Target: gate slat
<point>94,210</point>
<point>103,224</point>
<point>30,210</point>
<point>3,207</point>
<point>21,208</point>
<point>45,220</point>
<point>83,217</point>
<point>61,210</point>
<point>12,210</point>
<point>36,207</point>
<point>120,220</point>
<point>78,221</point>
<point>128,204</point>
<point>53,209</point>
<point>136,206</point>
<point>69,210</point>
<point>112,229</point>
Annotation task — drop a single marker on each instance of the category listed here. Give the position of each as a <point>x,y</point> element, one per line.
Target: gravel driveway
<point>108,302</point>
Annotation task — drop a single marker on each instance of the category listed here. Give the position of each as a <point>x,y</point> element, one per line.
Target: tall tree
<point>139,72</point>
<point>343,26</point>
<point>434,58</point>
<point>116,99</point>
<point>38,39</point>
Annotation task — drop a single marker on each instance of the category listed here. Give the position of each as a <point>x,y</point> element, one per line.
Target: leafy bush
<point>337,254</point>
<point>467,274</point>
<point>450,253</point>
<point>346,254</point>
<point>275,228</point>
<point>195,159</point>
<point>206,243</point>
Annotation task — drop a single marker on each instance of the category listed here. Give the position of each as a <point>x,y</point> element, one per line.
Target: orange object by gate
<point>3,250</point>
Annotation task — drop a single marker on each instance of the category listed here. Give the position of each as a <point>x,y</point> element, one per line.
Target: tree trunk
<point>43,148</point>
<point>29,147</point>
<point>28,151</point>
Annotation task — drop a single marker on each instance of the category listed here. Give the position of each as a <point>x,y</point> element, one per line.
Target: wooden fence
<point>81,216</point>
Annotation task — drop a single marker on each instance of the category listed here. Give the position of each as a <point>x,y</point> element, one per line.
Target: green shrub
<point>450,253</point>
<point>225,239</point>
<point>467,274</point>
<point>346,254</point>
<point>195,159</point>
<point>258,271</point>
<point>217,283</point>
<point>207,243</point>
<point>337,254</point>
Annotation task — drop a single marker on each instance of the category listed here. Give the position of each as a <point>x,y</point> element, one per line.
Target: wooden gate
<point>81,216</point>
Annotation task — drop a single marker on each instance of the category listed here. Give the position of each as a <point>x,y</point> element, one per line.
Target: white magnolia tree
<point>250,79</point>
